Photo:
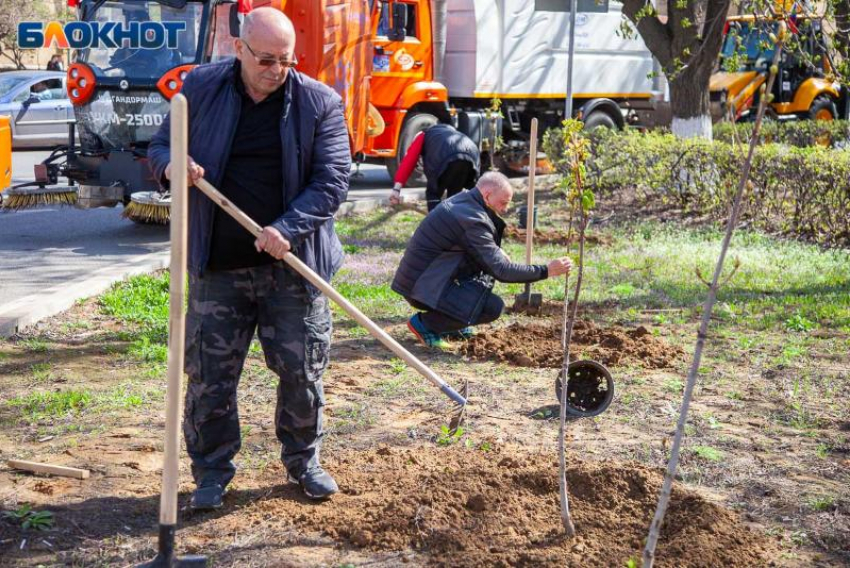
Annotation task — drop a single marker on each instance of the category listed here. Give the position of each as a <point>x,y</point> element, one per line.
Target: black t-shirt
<point>253,180</point>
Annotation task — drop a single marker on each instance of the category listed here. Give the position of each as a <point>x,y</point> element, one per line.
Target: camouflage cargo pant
<point>225,308</point>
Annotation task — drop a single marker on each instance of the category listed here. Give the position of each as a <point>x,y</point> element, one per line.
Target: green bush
<point>796,191</point>
<point>798,133</point>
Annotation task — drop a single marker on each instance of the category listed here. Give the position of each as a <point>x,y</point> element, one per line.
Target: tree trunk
<point>686,44</point>
<point>689,101</point>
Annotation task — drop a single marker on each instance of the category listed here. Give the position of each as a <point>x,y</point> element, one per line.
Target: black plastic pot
<point>590,388</point>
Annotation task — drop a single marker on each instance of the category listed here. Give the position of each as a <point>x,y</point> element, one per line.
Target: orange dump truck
<point>334,45</point>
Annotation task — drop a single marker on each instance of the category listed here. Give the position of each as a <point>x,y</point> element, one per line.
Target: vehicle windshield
<point>140,63</point>
<point>7,84</point>
<point>747,46</point>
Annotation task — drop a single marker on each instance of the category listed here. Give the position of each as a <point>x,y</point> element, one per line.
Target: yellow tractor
<point>805,87</point>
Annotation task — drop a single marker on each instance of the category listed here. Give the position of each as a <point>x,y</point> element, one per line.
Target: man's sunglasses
<point>269,61</point>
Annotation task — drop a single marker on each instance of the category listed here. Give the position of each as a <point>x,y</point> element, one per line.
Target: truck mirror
<point>399,25</point>
<point>234,20</point>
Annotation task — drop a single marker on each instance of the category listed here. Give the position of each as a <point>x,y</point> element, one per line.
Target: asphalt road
<point>57,251</point>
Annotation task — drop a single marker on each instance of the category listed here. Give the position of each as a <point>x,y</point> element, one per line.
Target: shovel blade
<point>525,302</point>
<point>459,410</point>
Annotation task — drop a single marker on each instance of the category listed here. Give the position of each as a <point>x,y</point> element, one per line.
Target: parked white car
<point>39,106</point>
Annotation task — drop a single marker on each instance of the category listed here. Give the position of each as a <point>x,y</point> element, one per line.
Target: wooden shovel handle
<point>176,318</point>
<point>532,171</point>
<point>331,293</point>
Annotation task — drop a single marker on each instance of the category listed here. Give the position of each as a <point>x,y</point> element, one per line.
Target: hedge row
<point>799,133</point>
<point>801,192</point>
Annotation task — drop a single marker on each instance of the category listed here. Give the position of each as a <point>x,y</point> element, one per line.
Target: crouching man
<point>453,260</point>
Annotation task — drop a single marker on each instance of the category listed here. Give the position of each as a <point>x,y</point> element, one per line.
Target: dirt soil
<point>553,237</point>
<point>431,507</point>
<point>538,344</point>
<point>501,509</point>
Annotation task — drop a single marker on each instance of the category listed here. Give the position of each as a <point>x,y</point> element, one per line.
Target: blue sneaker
<point>427,337</point>
<point>465,334</point>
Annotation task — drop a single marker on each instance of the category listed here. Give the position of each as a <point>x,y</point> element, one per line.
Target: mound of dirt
<point>539,345</point>
<point>553,237</point>
<point>470,508</point>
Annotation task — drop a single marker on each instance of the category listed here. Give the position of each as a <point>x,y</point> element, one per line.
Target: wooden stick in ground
<point>176,318</point>
<point>330,292</point>
<point>702,334</point>
<point>529,218</point>
<point>60,470</point>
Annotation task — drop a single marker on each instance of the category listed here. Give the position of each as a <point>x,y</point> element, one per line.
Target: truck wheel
<point>823,108</point>
<point>413,125</point>
<point>599,119</point>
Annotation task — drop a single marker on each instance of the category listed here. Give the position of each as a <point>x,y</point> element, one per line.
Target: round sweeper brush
<point>149,208</point>
<point>17,198</point>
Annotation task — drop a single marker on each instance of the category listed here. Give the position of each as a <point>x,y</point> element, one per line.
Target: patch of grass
<point>148,350</point>
<point>801,418</point>
<point>776,277</point>
<point>821,503</point>
<point>712,421</point>
<point>140,299</point>
<point>29,518</point>
<point>798,322</point>
<point>41,372</point>
<point>76,326</point>
<point>623,290</point>
<point>35,345</point>
<point>123,397</point>
<point>38,405</point>
<point>634,398</point>
<point>391,387</point>
<point>707,453</point>
<point>350,419</point>
<point>822,451</point>
<point>674,386</point>
<point>397,366</point>
<point>374,300</point>
<point>447,437</point>
<point>155,371</point>
<point>735,395</point>
<point>791,353</point>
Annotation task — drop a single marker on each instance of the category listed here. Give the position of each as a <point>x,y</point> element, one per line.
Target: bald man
<point>275,142</point>
<point>451,263</point>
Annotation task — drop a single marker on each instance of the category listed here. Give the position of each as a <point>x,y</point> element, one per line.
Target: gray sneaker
<point>207,498</point>
<point>316,483</point>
